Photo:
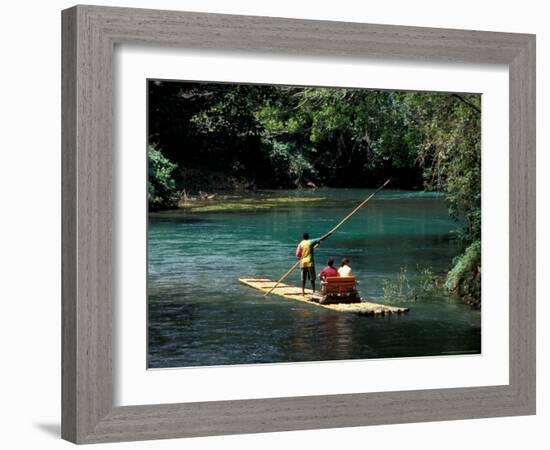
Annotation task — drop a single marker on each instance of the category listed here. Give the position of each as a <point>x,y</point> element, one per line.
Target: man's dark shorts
<point>308,272</point>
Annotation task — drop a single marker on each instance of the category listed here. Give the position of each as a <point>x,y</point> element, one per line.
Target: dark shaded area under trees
<point>213,137</point>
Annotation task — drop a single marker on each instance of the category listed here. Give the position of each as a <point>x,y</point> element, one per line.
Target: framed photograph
<point>279,224</point>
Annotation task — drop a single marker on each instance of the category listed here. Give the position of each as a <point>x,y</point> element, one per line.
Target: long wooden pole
<point>344,220</point>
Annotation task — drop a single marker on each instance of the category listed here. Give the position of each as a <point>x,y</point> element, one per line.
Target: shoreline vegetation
<point>224,202</point>
<point>211,146</point>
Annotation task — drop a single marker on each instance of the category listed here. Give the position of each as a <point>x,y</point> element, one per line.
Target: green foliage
<point>161,187</point>
<point>450,153</point>
<point>289,163</point>
<point>423,285</point>
<point>398,290</point>
<point>429,284</point>
<point>464,279</point>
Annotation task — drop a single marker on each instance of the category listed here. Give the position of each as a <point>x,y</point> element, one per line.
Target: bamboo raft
<point>365,308</point>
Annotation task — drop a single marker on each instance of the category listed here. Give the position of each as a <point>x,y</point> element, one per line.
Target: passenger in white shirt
<point>345,269</point>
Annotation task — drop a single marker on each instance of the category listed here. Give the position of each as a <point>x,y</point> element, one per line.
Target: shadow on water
<point>199,314</point>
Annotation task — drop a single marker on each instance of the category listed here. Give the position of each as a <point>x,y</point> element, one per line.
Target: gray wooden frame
<point>89,36</point>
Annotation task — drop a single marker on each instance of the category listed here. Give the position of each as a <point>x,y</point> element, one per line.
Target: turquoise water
<point>200,315</point>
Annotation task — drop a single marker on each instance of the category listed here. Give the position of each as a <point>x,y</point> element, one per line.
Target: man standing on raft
<point>304,251</point>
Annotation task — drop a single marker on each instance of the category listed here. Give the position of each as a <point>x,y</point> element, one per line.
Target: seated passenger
<point>328,271</point>
<point>345,269</point>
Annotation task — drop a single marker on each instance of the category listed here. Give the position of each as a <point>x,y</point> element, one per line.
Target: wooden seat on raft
<point>339,285</point>
<point>338,290</point>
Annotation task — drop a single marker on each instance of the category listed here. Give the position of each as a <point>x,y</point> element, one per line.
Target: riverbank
<point>263,199</point>
<point>249,201</point>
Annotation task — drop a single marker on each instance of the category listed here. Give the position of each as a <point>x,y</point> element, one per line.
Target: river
<point>200,315</point>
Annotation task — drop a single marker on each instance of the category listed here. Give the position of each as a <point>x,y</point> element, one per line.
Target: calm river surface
<point>200,315</point>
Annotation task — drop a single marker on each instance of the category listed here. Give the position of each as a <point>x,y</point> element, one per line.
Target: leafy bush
<point>464,279</point>
<point>289,162</point>
<point>161,187</point>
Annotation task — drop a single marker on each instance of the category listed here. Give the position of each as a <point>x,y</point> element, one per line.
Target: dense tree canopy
<point>221,136</point>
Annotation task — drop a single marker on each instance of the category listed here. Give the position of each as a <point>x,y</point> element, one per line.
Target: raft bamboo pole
<point>345,219</point>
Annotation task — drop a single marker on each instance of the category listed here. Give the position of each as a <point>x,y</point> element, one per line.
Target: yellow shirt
<point>304,251</point>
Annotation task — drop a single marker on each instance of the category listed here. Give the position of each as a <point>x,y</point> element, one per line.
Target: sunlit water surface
<point>199,313</point>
